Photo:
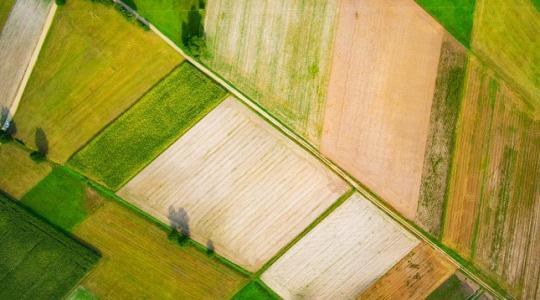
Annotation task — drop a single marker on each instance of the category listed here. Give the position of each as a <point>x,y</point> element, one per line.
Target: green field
<point>94,65</point>
<point>178,20</point>
<point>5,9</point>
<point>62,199</point>
<point>149,127</point>
<point>451,289</point>
<point>255,290</point>
<point>455,15</point>
<point>37,261</point>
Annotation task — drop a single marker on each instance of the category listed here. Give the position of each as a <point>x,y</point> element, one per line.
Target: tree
<point>60,2</point>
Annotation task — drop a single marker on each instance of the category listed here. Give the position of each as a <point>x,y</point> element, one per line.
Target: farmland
<point>94,64</point>
<point>18,42</point>
<point>506,35</point>
<point>456,287</point>
<point>5,9</point>
<point>139,262</point>
<point>493,210</point>
<point>443,119</point>
<point>380,94</point>
<point>341,256</point>
<point>149,127</point>
<point>19,173</point>
<point>37,261</point>
<point>255,291</point>
<point>415,276</point>
<point>278,53</point>
<point>236,183</point>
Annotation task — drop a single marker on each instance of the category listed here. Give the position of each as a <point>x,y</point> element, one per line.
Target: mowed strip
<point>149,127</point>
<point>37,261</point>
<point>93,66</point>
<point>139,262</point>
<point>18,42</point>
<point>415,276</point>
<point>235,182</point>
<point>342,256</point>
<point>493,213</point>
<point>380,93</point>
<point>278,52</point>
<point>18,172</point>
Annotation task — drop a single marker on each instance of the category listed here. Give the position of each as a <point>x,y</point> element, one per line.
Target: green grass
<point>81,294</point>
<point>451,289</point>
<point>149,127</point>
<point>175,19</point>
<point>37,261</point>
<point>62,199</point>
<point>455,15</point>
<point>255,290</point>
<point>5,9</point>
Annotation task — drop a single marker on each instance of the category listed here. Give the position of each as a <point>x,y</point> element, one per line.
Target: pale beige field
<point>342,256</point>
<point>379,98</point>
<point>238,183</point>
<point>18,41</point>
<point>417,275</point>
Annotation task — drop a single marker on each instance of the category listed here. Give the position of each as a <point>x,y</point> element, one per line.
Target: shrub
<point>37,156</point>
<point>60,2</point>
<point>5,136</point>
<point>196,46</point>
<point>178,237</point>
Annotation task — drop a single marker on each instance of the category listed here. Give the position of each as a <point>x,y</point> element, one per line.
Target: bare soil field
<point>342,256</point>
<point>381,88</point>
<point>440,141</point>
<point>18,42</point>
<point>235,182</point>
<point>415,276</point>
<point>278,52</point>
<point>493,213</point>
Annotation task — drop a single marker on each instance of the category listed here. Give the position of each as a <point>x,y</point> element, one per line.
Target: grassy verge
<point>256,290</point>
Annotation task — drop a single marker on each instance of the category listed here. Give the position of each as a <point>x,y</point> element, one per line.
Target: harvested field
<point>342,256</point>
<point>493,213</point>
<point>379,98</point>
<point>62,199</point>
<point>19,173</point>
<point>440,140</point>
<point>507,34</point>
<point>276,52</point>
<point>93,66</point>
<point>414,277</point>
<point>37,261</point>
<point>149,127</point>
<point>18,41</point>
<point>5,9</point>
<point>237,183</point>
<point>139,262</point>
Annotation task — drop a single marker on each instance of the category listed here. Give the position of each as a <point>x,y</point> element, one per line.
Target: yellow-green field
<point>93,66</point>
<point>5,9</point>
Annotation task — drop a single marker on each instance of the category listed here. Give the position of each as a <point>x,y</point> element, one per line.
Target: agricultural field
<point>457,287</point>
<point>5,9</point>
<point>139,262</point>
<point>415,276</point>
<point>18,42</point>
<point>150,126</point>
<point>493,213</point>
<point>255,290</point>
<point>506,34</point>
<point>342,256</point>
<point>276,52</point>
<point>94,65</point>
<point>383,77</point>
<point>237,184</point>
<point>19,173</point>
<point>37,261</point>
<point>440,140</point>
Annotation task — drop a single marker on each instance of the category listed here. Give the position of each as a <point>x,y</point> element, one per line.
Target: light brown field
<point>342,256</point>
<point>278,52</point>
<point>18,42</point>
<point>493,213</point>
<point>19,173</point>
<point>238,183</point>
<point>380,93</point>
<point>414,277</point>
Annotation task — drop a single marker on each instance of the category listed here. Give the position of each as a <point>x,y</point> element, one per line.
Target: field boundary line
<point>31,65</point>
<point>368,194</point>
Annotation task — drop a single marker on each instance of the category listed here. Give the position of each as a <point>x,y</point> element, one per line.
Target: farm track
<point>368,194</point>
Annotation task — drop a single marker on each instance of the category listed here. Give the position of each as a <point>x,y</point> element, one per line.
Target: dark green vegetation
<point>149,127</point>
<point>443,119</point>
<point>37,261</point>
<point>455,15</point>
<point>178,20</point>
<point>451,289</point>
<point>255,290</point>
<point>62,199</point>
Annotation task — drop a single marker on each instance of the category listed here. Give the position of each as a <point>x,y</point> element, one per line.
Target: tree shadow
<point>193,27</point>
<point>8,129</point>
<point>131,4</point>
<point>210,248</point>
<point>42,142</point>
<point>179,220</point>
